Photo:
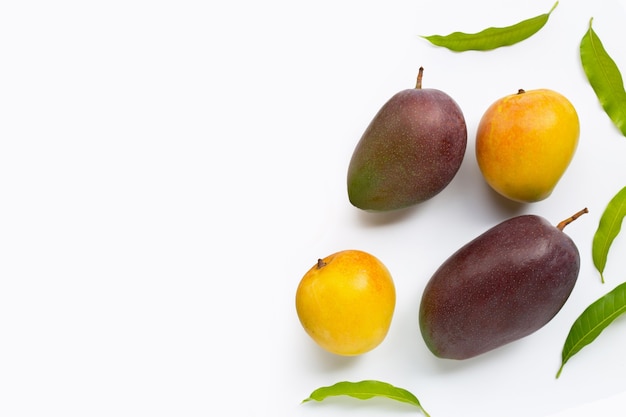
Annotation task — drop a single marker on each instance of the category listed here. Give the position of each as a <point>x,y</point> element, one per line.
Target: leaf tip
<point>430,38</point>
<point>553,7</point>
<point>558,374</point>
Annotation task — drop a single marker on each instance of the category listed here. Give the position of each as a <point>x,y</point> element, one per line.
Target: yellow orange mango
<point>525,142</point>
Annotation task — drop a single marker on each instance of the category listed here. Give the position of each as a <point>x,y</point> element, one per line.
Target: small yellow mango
<point>345,302</point>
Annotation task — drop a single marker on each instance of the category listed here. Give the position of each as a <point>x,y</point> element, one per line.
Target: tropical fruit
<point>346,301</point>
<point>411,150</point>
<point>504,285</point>
<point>525,142</point>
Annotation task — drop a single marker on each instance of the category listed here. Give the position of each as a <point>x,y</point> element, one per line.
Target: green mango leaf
<point>364,390</point>
<point>604,77</point>
<point>493,37</point>
<point>593,321</point>
<point>608,229</point>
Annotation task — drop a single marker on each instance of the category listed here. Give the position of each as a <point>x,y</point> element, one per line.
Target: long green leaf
<point>493,37</point>
<point>593,321</point>
<point>604,77</point>
<point>608,229</point>
<point>364,390</point>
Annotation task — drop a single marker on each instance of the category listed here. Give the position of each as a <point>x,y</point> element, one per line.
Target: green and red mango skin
<point>502,286</point>
<point>411,151</point>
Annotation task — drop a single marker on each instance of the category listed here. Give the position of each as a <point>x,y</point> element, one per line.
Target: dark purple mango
<point>504,285</point>
<point>410,151</point>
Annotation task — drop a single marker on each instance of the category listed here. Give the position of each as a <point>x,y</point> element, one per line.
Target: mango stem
<point>420,74</point>
<point>567,221</point>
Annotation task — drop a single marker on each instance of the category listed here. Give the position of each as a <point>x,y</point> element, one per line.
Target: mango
<point>502,286</point>
<point>525,142</point>
<point>346,301</point>
<point>411,150</point>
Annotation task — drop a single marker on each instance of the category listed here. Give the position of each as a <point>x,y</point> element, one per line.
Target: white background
<point>170,169</point>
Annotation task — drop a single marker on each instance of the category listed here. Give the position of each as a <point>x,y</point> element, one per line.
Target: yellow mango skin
<point>525,142</point>
<point>346,302</point>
